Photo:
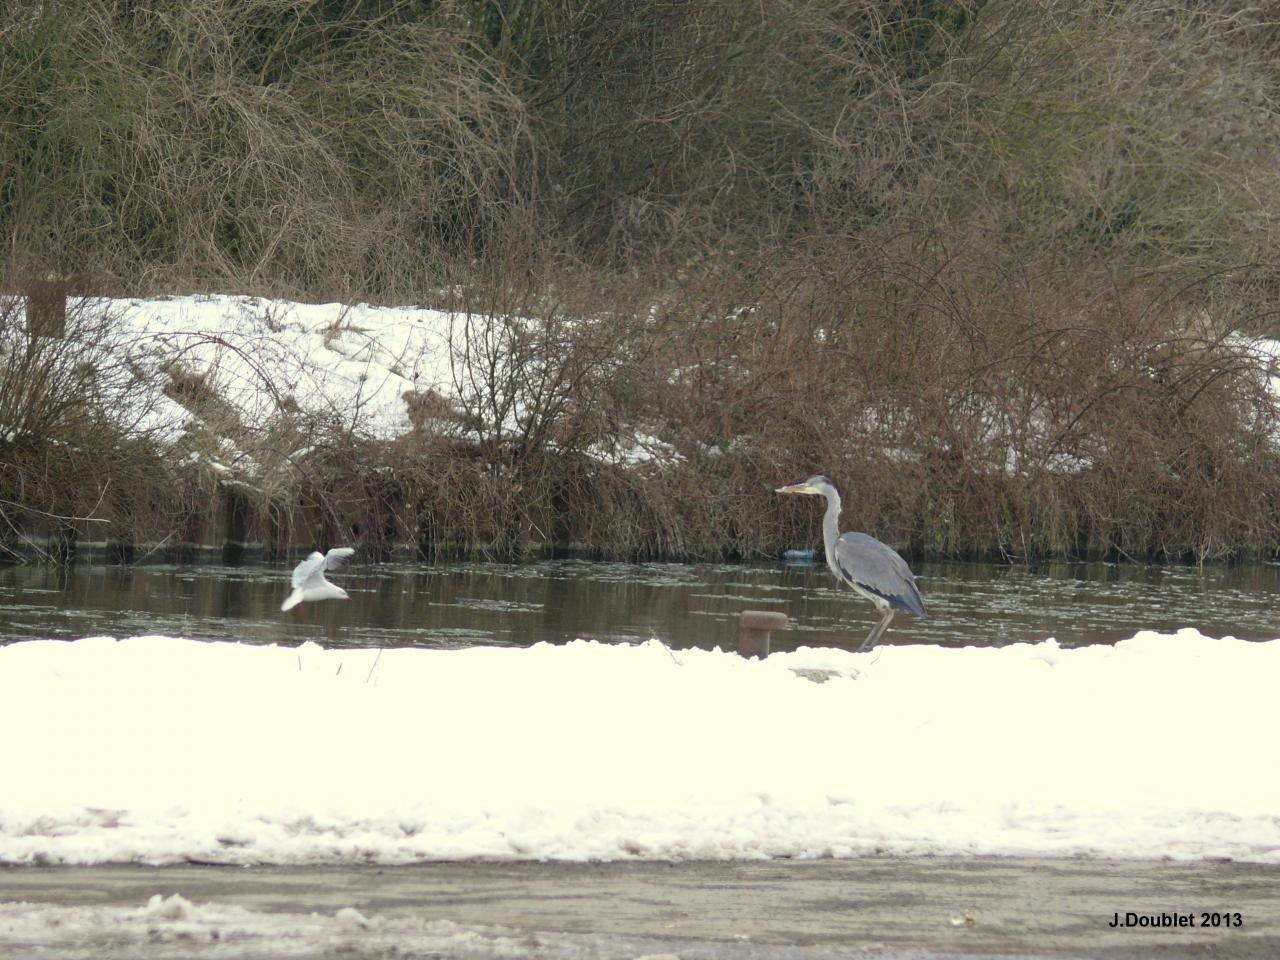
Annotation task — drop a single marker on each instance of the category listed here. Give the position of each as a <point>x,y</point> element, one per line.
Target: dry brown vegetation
<point>68,448</point>
<point>979,262</point>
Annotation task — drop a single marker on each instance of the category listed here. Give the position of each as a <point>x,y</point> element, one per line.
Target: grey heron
<point>309,583</point>
<point>873,569</point>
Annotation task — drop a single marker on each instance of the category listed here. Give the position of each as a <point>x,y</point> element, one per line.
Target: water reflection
<point>454,605</point>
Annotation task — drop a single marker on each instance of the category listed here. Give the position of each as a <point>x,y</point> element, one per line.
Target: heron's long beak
<point>794,488</point>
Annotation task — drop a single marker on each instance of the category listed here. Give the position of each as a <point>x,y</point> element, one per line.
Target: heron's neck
<point>831,526</point>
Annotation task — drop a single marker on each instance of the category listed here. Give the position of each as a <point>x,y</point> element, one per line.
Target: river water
<point>684,605</point>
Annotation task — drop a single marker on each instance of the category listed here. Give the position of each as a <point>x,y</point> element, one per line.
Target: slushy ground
<point>924,908</point>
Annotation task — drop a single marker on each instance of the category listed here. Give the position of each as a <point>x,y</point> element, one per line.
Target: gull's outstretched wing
<point>336,557</point>
<point>877,568</point>
<point>308,568</point>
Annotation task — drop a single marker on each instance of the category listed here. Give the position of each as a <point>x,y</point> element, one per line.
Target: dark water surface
<point>685,605</point>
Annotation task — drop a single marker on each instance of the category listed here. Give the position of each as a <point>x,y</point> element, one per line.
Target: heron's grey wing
<point>308,568</point>
<point>877,568</point>
<point>337,557</point>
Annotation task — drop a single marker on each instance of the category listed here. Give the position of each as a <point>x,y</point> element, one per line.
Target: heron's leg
<point>877,631</point>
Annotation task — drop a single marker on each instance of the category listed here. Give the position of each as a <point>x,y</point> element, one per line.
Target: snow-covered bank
<point>359,369</point>
<point>351,364</point>
<point>158,749</point>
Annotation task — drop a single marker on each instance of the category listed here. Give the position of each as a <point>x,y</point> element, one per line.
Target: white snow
<point>175,907</point>
<point>173,926</point>
<point>253,363</point>
<point>351,364</point>
<point>160,749</point>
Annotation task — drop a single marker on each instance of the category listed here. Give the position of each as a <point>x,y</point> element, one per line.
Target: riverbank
<point>181,425</point>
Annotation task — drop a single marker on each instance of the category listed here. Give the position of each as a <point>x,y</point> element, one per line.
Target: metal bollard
<point>753,631</point>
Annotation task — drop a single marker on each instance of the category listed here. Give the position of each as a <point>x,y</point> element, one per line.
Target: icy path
<point>886,908</point>
<point>159,749</point>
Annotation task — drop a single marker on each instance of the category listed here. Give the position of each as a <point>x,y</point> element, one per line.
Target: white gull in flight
<point>309,583</point>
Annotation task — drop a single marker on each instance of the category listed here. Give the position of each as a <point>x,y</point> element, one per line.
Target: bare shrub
<point>968,408</point>
<point>273,145</point>
<point>676,127</point>
<point>360,148</point>
<point>75,426</point>
<point>1144,130</point>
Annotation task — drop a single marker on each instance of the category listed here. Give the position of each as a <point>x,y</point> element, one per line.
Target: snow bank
<point>351,364</point>
<point>357,367</point>
<point>158,749</point>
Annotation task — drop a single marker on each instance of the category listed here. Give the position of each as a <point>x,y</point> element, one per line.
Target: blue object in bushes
<point>797,556</point>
